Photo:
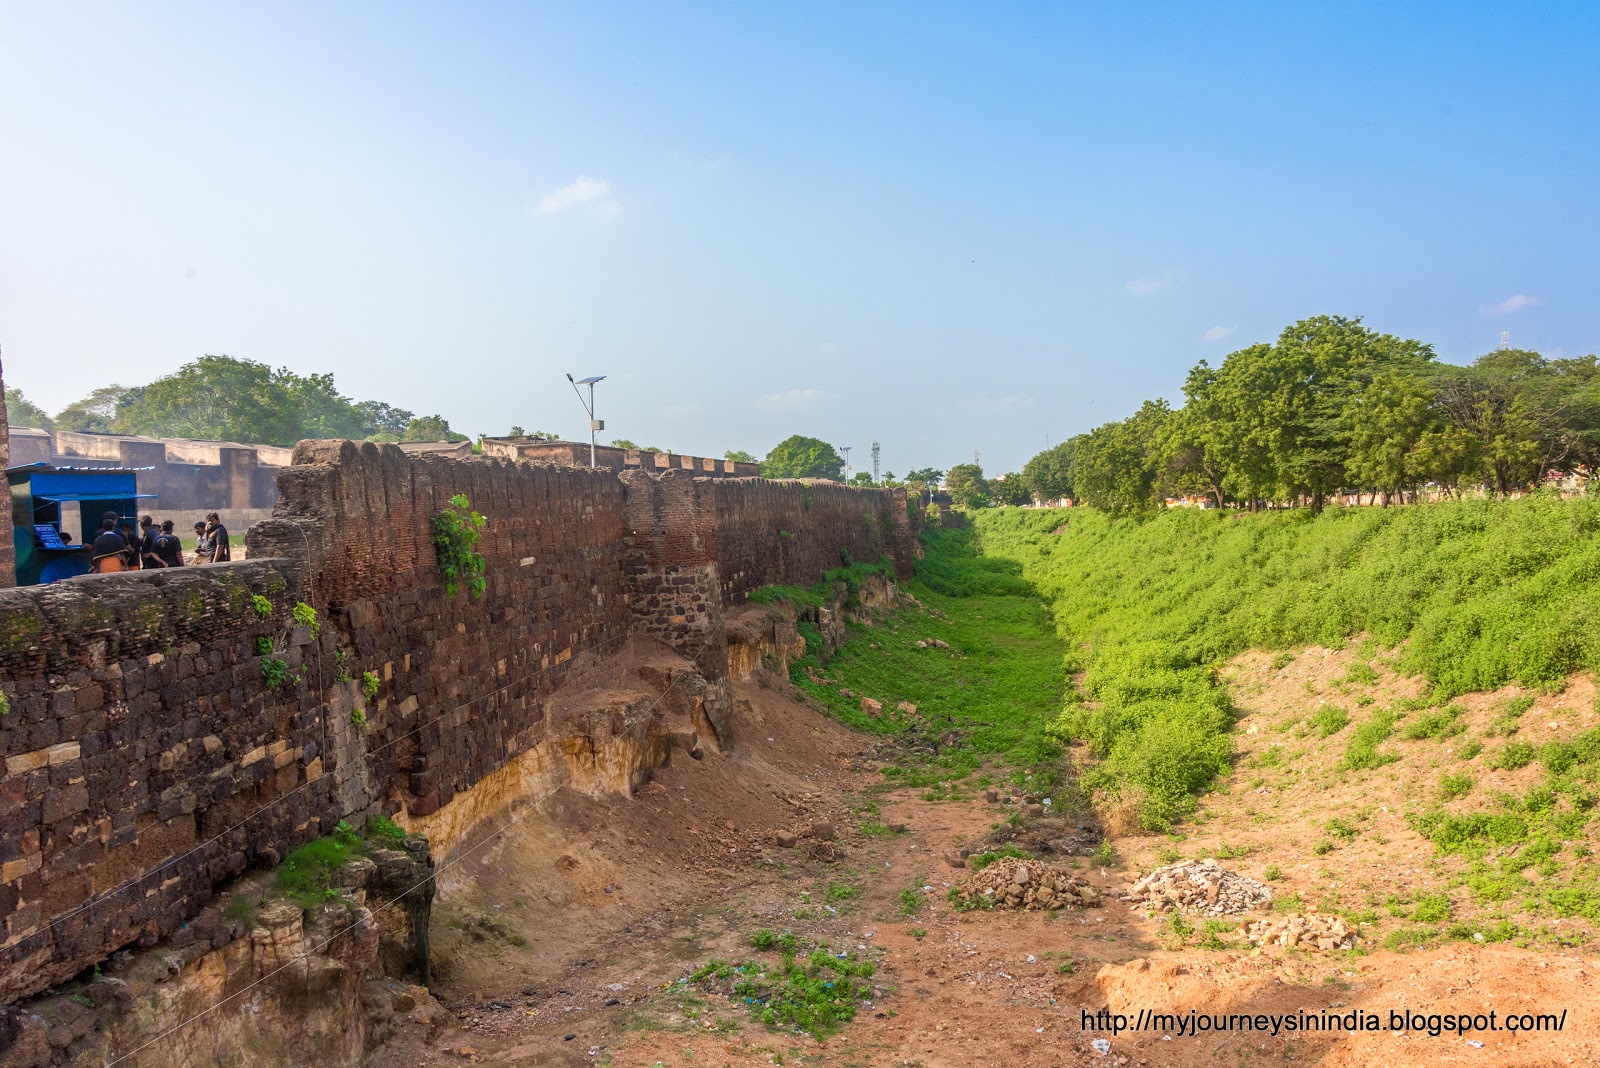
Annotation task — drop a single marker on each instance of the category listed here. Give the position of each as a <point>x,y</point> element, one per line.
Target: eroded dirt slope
<point>572,941</point>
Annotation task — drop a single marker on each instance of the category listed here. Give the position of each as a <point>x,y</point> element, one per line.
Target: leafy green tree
<point>802,457</point>
<point>1049,474</point>
<point>739,456</point>
<point>1385,422</point>
<point>215,397</point>
<point>20,411</point>
<point>1446,455</point>
<point>620,443</point>
<point>1012,489</point>
<point>1525,414</point>
<point>431,428</point>
<point>924,477</point>
<point>322,411</point>
<point>95,413</point>
<point>1115,466</point>
<point>966,485</point>
<point>381,421</point>
<point>1322,363</point>
<point>861,478</point>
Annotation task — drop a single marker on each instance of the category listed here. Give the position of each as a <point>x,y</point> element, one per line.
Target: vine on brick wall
<point>456,531</point>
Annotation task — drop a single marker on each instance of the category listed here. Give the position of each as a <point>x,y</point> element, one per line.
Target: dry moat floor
<point>584,936</point>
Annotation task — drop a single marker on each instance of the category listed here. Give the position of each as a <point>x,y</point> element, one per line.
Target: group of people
<point>118,547</point>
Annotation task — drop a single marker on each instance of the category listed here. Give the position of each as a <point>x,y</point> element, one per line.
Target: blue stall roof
<point>58,496</point>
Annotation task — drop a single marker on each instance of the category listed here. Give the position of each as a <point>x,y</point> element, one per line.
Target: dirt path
<point>571,944</point>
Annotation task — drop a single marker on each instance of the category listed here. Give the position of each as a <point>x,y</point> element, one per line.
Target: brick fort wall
<point>148,760</point>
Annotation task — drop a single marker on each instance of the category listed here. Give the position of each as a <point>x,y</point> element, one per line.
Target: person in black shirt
<point>110,550</point>
<point>134,561</point>
<point>217,534</point>
<point>148,532</point>
<point>167,548</point>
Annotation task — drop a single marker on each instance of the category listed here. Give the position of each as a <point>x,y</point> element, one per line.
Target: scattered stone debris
<point>1028,884</point>
<point>1300,930</point>
<point>1202,886</point>
<point>907,708</point>
<point>871,707</point>
<point>932,643</point>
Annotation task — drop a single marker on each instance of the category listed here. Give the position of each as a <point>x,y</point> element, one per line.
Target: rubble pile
<point>1299,930</point>
<point>1028,884</point>
<point>1202,886</point>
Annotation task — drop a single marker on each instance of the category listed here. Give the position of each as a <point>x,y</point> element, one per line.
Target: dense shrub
<point>1484,593</point>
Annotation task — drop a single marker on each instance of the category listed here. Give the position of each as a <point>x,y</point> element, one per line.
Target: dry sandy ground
<point>568,943</point>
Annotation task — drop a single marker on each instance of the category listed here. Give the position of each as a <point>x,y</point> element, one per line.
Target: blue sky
<point>946,227</point>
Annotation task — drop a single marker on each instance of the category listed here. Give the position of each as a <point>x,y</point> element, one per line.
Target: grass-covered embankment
<point>998,685</point>
<point>1482,593</point>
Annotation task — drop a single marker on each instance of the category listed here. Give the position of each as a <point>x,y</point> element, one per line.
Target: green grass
<point>1361,754</point>
<point>309,874</point>
<point>1329,720</point>
<point>1443,723</point>
<point>1482,593</point>
<point>998,687</point>
<point>807,989</point>
<point>1456,785</point>
<point>979,861</point>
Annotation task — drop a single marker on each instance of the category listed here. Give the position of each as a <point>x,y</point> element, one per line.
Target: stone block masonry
<point>146,760</point>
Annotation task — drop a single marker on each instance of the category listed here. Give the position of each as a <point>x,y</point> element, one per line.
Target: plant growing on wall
<point>306,616</point>
<point>369,689</point>
<point>456,531</point>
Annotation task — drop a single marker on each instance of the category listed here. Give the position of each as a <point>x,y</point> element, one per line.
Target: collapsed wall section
<point>151,754</point>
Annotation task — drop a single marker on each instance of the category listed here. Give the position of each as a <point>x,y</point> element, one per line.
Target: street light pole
<point>595,425</point>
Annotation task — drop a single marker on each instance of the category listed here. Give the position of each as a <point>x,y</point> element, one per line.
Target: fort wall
<point>149,758</point>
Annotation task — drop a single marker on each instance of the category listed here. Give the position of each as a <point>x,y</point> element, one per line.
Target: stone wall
<point>147,759</point>
<point>576,454</point>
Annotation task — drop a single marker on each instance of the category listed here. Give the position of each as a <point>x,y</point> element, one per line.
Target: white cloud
<point>1217,333</point>
<point>1514,303</point>
<point>1151,284</point>
<point>582,191</point>
<point>790,399</point>
<point>827,347</point>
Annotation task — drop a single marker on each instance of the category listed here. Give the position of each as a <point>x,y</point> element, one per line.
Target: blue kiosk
<point>56,512</point>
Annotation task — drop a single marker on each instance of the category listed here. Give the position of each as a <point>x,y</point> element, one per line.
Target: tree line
<point>1333,408</point>
<point>230,399</point>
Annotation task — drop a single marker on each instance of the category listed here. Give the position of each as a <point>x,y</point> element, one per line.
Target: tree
<point>1011,489</point>
<point>803,457</point>
<point>1116,465</point>
<point>95,413</point>
<point>925,477</point>
<point>622,443</point>
<point>383,421</point>
<point>431,428</point>
<point>861,478</point>
<point>20,411</point>
<point>1049,474</point>
<point>322,411</point>
<point>739,456</point>
<point>1525,414</point>
<point>215,397</point>
<point>1385,422</point>
<point>966,485</point>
